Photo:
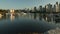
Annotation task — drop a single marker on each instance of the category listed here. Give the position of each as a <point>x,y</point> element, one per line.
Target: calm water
<point>29,16</point>
<point>26,21</point>
<point>36,16</point>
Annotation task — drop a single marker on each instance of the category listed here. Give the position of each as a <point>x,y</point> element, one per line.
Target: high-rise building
<point>54,8</point>
<point>57,3</point>
<point>57,7</point>
<point>40,8</point>
<point>44,9</point>
<point>35,9</point>
<point>12,11</point>
<point>49,8</point>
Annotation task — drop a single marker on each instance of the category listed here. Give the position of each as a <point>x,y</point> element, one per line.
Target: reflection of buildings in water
<point>0,16</point>
<point>12,17</point>
<point>34,15</point>
<point>40,16</point>
<point>24,14</point>
<point>46,19</point>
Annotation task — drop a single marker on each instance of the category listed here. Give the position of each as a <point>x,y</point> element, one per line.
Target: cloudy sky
<point>20,4</point>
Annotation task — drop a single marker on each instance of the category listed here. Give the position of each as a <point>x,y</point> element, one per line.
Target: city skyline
<point>21,4</point>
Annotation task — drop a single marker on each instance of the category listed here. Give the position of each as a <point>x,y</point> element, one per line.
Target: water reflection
<point>46,18</point>
<point>0,17</point>
<point>34,15</point>
<point>37,16</point>
<point>12,17</point>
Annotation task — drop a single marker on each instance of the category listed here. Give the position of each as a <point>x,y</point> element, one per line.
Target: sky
<point>21,4</point>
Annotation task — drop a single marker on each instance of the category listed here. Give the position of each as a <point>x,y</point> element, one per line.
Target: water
<point>14,23</point>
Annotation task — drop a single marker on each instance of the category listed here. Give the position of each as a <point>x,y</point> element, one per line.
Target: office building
<point>35,9</point>
<point>57,7</point>
<point>54,8</point>
<point>49,8</point>
<point>12,11</point>
<point>40,8</point>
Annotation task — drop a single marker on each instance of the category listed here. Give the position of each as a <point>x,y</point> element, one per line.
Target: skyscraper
<point>12,10</point>
<point>40,8</point>
<point>54,8</point>
<point>57,7</point>
<point>57,3</point>
<point>49,8</point>
<point>35,9</point>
